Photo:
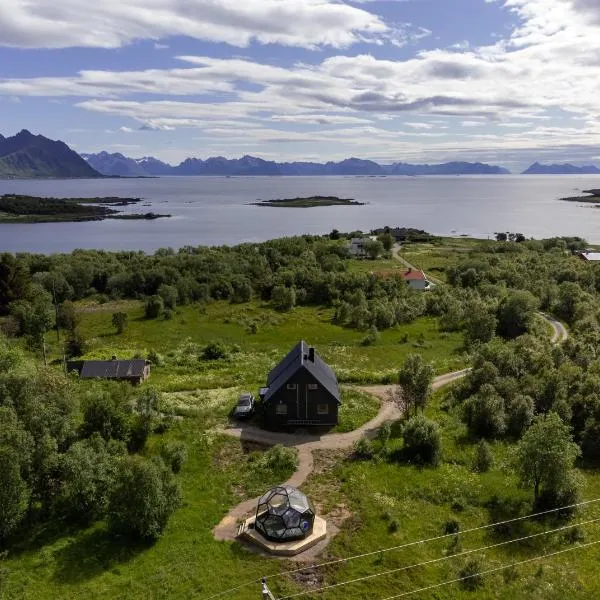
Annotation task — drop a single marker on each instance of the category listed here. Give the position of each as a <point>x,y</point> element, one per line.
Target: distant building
<point>301,390</point>
<point>135,371</point>
<point>590,256</point>
<point>417,279</point>
<point>357,245</point>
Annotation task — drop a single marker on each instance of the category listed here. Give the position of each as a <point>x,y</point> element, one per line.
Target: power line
<point>494,570</point>
<point>437,560</point>
<point>399,547</point>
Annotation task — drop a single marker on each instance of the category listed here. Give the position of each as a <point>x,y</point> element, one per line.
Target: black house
<point>135,371</point>
<point>301,390</point>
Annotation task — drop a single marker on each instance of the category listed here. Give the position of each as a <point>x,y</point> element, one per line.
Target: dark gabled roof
<point>298,359</point>
<point>113,369</point>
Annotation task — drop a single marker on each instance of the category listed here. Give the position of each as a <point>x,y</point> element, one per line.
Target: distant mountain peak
<point>564,169</point>
<point>25,155</point>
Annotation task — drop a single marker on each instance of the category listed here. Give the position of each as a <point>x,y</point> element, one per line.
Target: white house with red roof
<point>417,279</point>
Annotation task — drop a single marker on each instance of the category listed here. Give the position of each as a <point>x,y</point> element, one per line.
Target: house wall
<point>301,404</point>
<point>418,284</point>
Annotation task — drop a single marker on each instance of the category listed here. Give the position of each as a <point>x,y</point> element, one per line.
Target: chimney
<point>410,269</point>
<point>311,354</point>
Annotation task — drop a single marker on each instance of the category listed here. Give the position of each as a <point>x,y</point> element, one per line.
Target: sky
<point>505,82</point>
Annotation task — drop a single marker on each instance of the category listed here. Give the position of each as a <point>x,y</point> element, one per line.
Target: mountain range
<point>25,155</point>
<point>28,155</point>
<point>566,169</point>
<point>117,164</point>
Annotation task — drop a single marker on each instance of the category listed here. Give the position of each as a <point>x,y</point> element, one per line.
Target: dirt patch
<point>309,578</point>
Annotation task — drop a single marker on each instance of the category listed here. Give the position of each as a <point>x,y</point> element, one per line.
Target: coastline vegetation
<point>16,208</point>
<point>593,197</point>
<point>309,202</point>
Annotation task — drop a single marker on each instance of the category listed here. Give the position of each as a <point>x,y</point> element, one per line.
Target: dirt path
<point>396,254</point>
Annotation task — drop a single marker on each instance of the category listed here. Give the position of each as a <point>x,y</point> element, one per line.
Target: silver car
<point>245,406</point>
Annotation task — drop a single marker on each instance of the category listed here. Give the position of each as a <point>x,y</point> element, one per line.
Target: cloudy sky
<point>501,81</point>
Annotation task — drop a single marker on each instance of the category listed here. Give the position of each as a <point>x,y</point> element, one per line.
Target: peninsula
<point>31,209</point>
<point>309,202</point>
<point>592,198</point>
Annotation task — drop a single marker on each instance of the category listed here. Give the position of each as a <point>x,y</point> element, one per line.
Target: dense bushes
<point>422,441</point>
<point>144,496</point>
<point>63,450</point>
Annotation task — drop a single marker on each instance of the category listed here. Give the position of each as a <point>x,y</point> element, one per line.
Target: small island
<point>309,202</point>
<point>16,208</point>
<point>592,198</point>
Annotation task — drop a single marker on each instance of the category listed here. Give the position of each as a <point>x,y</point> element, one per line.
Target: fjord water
<point>218,210</point>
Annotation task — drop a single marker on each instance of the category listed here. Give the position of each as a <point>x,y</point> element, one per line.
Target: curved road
<point>389,411</point>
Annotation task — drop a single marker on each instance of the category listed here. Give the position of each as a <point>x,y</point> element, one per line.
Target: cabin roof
<point>299,358</point>
<point>112,369</point>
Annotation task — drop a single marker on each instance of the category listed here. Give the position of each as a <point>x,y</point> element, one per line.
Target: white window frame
<point>281,409</point>
<point>321,411</point>
<point>313,386</point>
<point>291,386</point>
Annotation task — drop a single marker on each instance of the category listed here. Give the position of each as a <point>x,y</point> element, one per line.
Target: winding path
<point>305,443</point>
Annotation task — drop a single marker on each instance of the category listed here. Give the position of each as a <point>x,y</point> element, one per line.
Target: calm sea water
<point>216,210</point>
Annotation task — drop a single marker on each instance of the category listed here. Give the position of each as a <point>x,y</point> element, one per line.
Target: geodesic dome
<point>284,514</point>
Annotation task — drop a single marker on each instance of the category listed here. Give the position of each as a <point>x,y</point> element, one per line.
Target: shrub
<point>153,307</point>
<point>363,449</point>
<point>394,525</point>
<point>76,345</point>
<point>215,351</point>
<point>384,433</point>
<point>450,527</point>
<point>168,314</point>
<point>169,295</point>
<point>422,442</point>
<point>278,460</point>
<point>471,580</point>
<point>155,358</point>
<point>119,321</point>
<point>372,337</point>
<point>144,497</point>
<point>484,458</point>
<point>174,454</point>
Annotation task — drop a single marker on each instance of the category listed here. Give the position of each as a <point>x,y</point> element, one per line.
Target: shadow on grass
<point>93,553</point>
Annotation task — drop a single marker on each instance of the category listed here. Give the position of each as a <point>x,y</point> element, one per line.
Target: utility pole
<point>266,592</point>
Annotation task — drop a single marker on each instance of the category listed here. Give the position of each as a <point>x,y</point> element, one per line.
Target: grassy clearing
<point>357,409</point>
<point>435,257</point>
<point>180,339</point>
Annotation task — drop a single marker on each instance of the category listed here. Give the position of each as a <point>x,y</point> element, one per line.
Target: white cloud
<point>126,130</point>
<point>115,23</point>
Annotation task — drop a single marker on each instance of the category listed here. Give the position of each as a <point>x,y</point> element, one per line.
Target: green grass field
<point>179,341</point>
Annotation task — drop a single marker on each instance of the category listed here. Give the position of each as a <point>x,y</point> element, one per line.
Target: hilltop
<point>26,155</point>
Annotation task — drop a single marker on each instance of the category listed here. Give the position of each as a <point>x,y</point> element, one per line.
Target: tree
<point>501,236</point>
<point>416,378</point>
<point>484,458</point>
<point>546,456</point>
<point>154,307</point>
<point>387,240</point>
<point>169,295</point>
<point>147,411</point>
<point>480,325</point>
<point>174,454</point>
<point>484,413</point>
<point>67,316</point>
<point>119,321</point>
<point>373,248</point>
<point>422,441</point>
<point>144,497</point>
<point>87,474</point>
<point>108,412</point>
<point>76,344</point>
<point>283,298</point>
<point>517,313</point>
<point>14,493</point>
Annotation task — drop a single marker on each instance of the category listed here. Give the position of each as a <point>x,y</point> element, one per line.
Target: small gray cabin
<point>301,390</point>
<point>135,371</point>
